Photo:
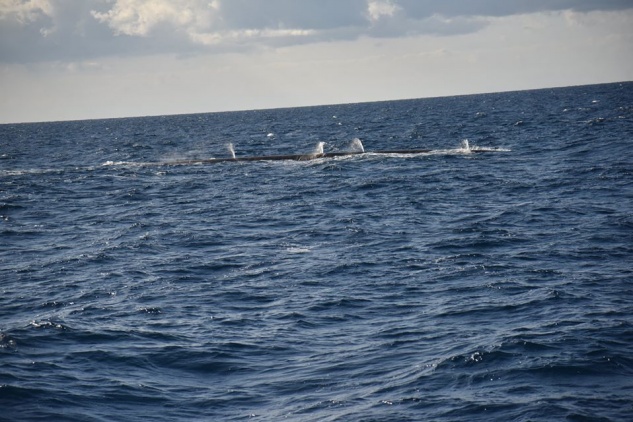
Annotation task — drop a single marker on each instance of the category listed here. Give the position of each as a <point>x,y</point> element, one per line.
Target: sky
<point>86,59</point>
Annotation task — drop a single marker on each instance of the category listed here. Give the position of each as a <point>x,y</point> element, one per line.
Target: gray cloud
<point>74,30</point>
<point>307,14</point>
<point>420,9</point>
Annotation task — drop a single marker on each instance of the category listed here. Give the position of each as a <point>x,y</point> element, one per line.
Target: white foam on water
<point>491,149</point>
<point>23,172</point>
<point>125,163</point>
<point>297,250</point>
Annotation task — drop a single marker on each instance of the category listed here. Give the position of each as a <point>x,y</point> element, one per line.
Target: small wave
<point>6,342</point>
<point>150,310</point>
<point>297,250</point>
<point>119,163</point>
<point>28,172</point>
<point>596,121</point>
<point>130,164</point>
<point>490,149</point>
<point>47,324</point>
<point>8,207</point>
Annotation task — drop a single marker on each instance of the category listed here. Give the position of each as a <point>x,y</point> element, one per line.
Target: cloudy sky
<point>79,59</point>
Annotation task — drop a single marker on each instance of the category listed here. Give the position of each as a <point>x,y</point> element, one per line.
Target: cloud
<point>72,30</point>
<point>140,17</point>
<point>24,11</point>
<point>378,9</point>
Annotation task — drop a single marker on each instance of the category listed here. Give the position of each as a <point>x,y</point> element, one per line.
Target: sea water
<point>445,286</point>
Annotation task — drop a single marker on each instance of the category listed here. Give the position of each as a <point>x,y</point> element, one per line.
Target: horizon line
<point>245,110</point>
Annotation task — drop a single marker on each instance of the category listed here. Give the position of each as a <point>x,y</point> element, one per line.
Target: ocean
<point>484,280</point>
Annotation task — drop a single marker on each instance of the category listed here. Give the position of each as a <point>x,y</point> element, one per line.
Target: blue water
<point>449,286</point>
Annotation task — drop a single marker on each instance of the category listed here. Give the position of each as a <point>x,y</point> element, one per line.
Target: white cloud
<point>376,9</point>
<point>200,20</point>
<point>247,35</point>
<point>139,17</point>
<point>24,11</point>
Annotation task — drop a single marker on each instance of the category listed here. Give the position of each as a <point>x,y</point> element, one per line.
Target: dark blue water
<point>452,286</point>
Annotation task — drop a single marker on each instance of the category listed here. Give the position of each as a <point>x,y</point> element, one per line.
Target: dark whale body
<point>301,157</point>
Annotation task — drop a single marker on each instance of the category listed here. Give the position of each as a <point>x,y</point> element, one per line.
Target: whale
<point>307,157</point>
